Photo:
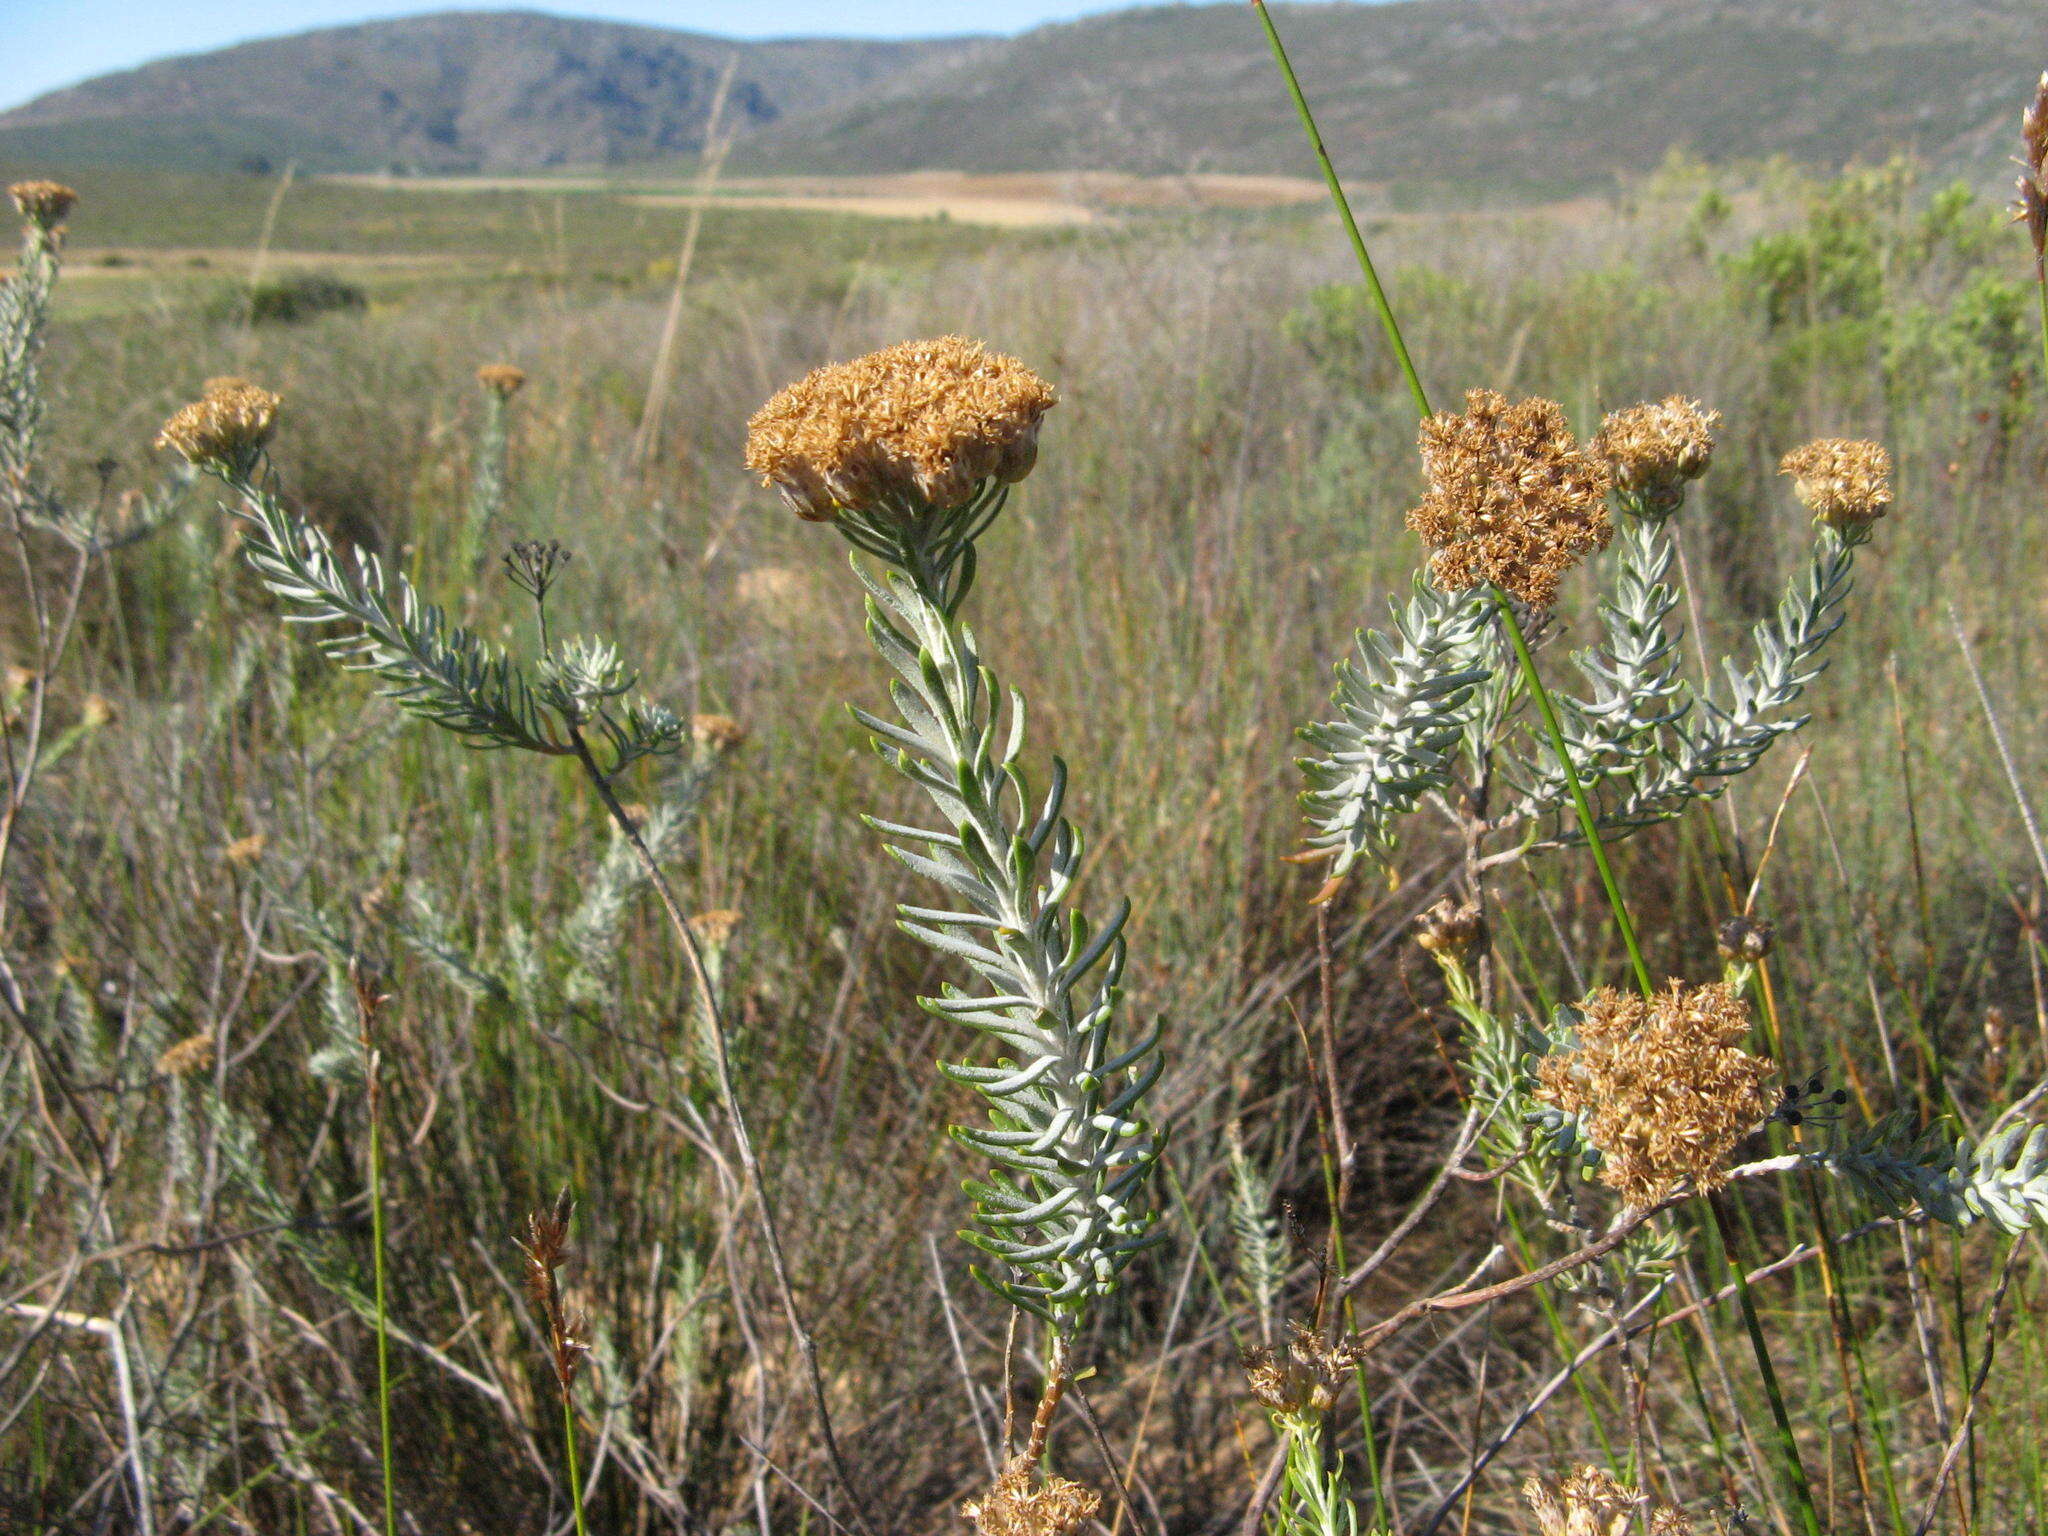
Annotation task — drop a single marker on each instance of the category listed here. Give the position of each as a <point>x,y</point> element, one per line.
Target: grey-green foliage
<point>1644,741</point>
<point>1718,742</point>
<point>1543,1142</point>
<point>1953,1179</point>
<point>1637,694</point>
<point>580,969</point>
<point>1069,1147</point>
<point>1400,716</point>
<point>24,308</point>
<point>1314,1497</point>
<point>487,481</point>
<point>442,671</point>
<point>1256,1239</point>
<point>24,488</point>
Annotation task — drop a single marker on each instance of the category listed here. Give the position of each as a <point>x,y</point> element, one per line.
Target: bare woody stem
<point>743,1140</point>
<point>1059,1371</point>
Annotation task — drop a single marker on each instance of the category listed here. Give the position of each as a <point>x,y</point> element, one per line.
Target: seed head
<point>1653,449</point>
<point>1450,928</point>
<point>1847,482</point>
<point>225,428</point>
<point>43,203</point>
<point>925,422</point>
<point>2031,206</point>
<point>1013,1507</point>
<point>1512,497</point>
<point>1746,940</point>
<point>501,379</point>
<point>546,1246</point>
<point>1305,1378</point>
<point>1668,1089</point>
<point>1593,1502</point>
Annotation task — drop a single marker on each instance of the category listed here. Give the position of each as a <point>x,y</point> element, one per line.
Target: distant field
<point>1006,200</point>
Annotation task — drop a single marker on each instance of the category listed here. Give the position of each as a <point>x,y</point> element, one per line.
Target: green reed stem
<point>1788,1444</point>
<point>1385,310</point>
<point>1380,305</point>
<point>1584,807</point>
<point>2041,295</point>
<point>575,1472</point>
<point>366,1011</point>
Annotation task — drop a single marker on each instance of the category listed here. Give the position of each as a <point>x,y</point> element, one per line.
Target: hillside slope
<point>484,91</point>
<point>1530,97</point>
<point>1533,95</point>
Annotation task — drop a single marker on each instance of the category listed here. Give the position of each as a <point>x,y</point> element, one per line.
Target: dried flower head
<point>546,1246</point>
<point>501,379</point>
<point>1668,1089</point>
<point>1847,482</point>
<point>225,427</point>
<point>1513,499</point>
<point>1593,1502</point>
<point>2031,206</point>
<point>1014,1507</point>
<point>717,733</point>
<point>714,929</point>
<point>1450,928</point>
<point>43,203</point>
<point>1654,448</point>
<point>192,1054</point>
<point>1745,940</point>
<point>1305,1378</point>
<point>925,422</point>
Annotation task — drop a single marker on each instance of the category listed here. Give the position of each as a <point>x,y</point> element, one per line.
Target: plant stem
<point>367,1002</point>
<point>2041,294</point>
<point>1372,278</point>
<point>1788,1445</point>
<point>1580,804</point>
<point>575,1472</point>
<point>714,1016</point>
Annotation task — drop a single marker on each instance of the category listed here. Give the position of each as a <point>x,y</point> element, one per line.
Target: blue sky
<point>60,42</point>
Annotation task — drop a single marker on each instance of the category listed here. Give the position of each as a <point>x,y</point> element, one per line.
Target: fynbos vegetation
<point>476,1085</point>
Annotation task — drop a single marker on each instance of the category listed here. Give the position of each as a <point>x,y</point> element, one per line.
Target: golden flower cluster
<point>1513,499</point>
<point>1652,449</point>
<point>501,379</point>
<point>1594,1502</point>
<point>2031,206</point>
<point>1306,1377</point>
<point>1014,1507</point>
<point>717,734</point>
<point>230,420</point>
<point>43,203</point>
<point>1668,1090</point>
<point>922,421</point>
<point>714,929</point>
<point>186,1057</point>
<point>1846,482</point>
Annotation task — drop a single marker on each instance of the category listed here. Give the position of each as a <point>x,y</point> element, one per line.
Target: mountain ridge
<point>1529,96</point>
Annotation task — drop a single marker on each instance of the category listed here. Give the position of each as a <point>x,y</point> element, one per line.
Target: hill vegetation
<point>457,91</point>
<point>1527,97</point>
